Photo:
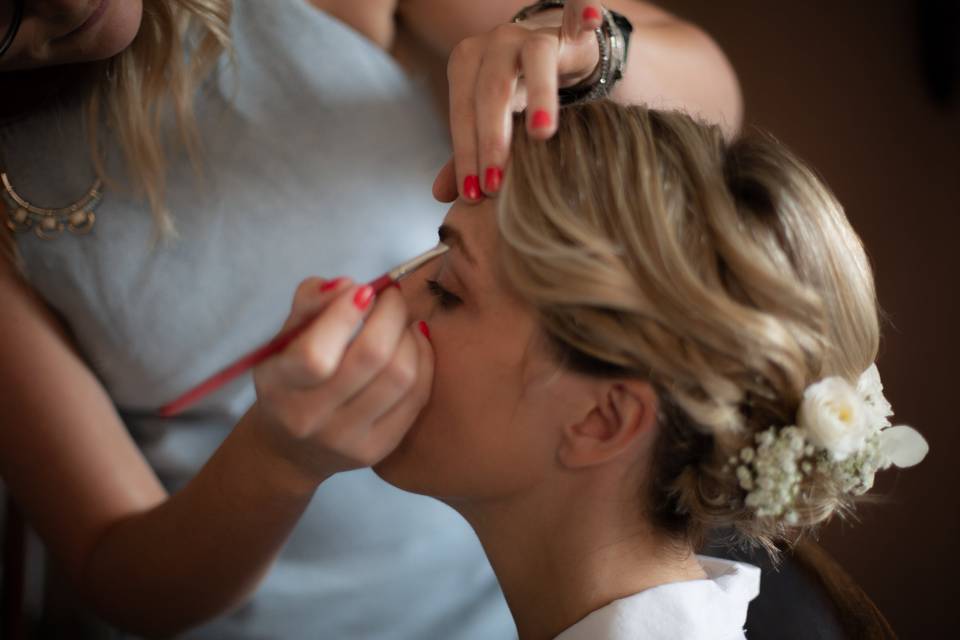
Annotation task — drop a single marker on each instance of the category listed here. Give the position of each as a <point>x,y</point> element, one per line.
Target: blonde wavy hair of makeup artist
<point>725,273</point>
<point>176,46</point>
<point>153,74</point>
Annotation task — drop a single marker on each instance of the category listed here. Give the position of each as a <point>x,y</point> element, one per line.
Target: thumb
<point>580,17</point>
<point>445,184</point>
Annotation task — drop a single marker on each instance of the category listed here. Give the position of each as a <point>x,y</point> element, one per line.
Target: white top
<point>714,608</point>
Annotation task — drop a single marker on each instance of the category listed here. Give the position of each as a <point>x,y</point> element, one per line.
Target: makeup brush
<point>280,342</point>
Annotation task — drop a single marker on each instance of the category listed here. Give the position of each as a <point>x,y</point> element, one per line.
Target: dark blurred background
<point>869,94</point>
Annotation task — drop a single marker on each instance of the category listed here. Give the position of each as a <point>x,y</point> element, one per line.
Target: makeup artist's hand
<point>328,403</point>
<point>514,67</point>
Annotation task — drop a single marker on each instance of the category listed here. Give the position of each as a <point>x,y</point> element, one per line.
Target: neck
<point>24,92</point>
<point>558,560</point>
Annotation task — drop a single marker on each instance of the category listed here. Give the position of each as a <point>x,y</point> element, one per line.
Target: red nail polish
<point>471,187</point>
<point>363,297</point>
<point>541,119</point>
<point>330,284</point>
<point>424,329</point>
<point>492,178</point>
<point>590,14</point>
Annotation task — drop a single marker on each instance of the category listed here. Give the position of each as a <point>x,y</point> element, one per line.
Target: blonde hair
<point>178,43</point>
<point>725,273</point>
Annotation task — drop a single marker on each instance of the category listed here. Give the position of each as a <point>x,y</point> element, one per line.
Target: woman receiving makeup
<point>173,170</point>
<point>650,336</point>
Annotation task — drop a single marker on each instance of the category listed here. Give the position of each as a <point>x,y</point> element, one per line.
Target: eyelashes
<point>446,299</point>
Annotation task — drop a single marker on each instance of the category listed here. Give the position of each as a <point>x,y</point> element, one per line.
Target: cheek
<point>472,439</point>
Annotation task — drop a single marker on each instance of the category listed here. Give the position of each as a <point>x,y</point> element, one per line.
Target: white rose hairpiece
<point>842,431</point>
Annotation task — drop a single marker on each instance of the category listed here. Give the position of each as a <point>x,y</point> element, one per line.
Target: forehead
<point>477,225</point>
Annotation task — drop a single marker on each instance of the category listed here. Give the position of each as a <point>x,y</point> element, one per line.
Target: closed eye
<point>446,299</point>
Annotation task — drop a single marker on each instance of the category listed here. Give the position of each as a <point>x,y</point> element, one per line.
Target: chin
<point>117,28</point>
<point>401,468</point>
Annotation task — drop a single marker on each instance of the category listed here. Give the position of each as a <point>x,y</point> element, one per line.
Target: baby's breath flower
<point>775,484</point>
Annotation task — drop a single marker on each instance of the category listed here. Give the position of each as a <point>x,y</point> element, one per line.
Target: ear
<point>622,422</point>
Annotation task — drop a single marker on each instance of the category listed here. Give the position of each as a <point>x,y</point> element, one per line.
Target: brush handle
<point>250,360</point>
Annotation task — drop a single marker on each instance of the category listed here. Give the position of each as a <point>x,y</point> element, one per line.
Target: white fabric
<point>714,608</point>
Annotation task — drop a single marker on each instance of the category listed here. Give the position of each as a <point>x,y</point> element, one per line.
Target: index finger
<point>315,354</point>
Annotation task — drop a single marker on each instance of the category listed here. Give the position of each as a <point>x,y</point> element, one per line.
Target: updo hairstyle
<point>725,273</point>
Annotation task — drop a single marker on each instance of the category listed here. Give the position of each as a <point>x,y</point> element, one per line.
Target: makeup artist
<point>162,199</point>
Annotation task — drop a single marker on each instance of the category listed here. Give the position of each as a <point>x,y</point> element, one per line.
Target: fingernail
<point>541,119</point>
<point>424,329</point>
<point>492,178</point>
<point>363,297</point>
<point>471,187</point>
<point>330,284</point>
<point>397,285</point>
<point>590,14</point>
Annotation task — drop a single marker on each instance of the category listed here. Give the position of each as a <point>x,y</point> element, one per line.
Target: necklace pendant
<point>77,218</point>
<point>17,220</point>
<point>81,222</point>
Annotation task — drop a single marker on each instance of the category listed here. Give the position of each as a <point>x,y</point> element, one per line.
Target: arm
<point>672,63</point>
<point>156,564</point>
<point>135,554</point>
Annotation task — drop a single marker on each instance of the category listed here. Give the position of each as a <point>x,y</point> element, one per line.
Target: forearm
<point>674,65</point>
<point>202,551</point>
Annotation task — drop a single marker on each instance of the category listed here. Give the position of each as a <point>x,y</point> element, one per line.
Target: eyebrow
<point>452,236</point>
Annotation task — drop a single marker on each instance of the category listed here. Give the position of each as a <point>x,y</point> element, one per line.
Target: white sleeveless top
<point>319,154</point>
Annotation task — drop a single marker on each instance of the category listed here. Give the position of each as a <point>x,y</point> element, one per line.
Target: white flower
<point>871,392</point>
<point>902,446</point>
<point>834,417</point>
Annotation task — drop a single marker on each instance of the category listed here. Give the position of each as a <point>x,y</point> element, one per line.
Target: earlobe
<point>621,423</point>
